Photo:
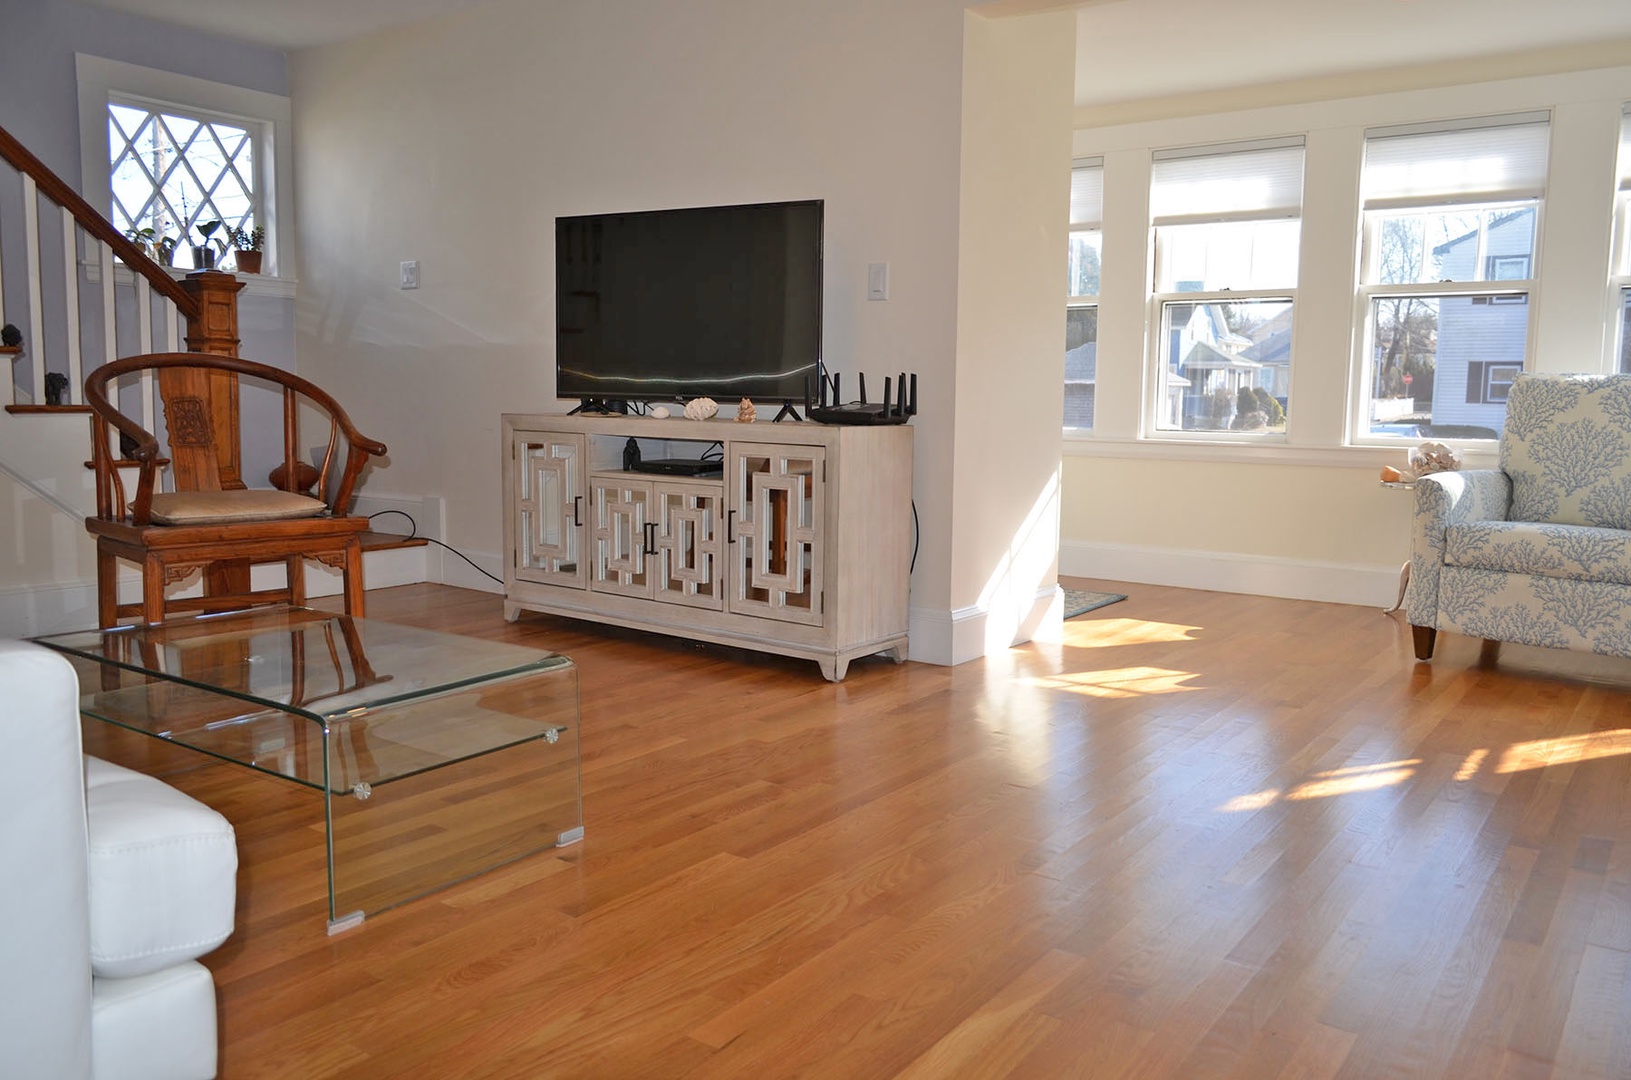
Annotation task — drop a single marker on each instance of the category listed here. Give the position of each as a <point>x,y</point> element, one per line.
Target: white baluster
<point>35,343</point>
<point>70,284</point>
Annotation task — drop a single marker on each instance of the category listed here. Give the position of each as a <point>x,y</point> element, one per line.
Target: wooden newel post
<point>214,329</point>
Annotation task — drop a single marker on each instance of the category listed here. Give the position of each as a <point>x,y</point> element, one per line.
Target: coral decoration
<point>701,408</point>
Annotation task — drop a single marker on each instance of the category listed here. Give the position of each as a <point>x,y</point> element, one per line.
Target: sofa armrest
<point>45,967</point>
<point>1444,499</point>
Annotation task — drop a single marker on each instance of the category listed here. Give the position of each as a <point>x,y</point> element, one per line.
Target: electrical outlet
<point>410,274</point>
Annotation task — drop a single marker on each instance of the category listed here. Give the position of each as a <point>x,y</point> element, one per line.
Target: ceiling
<point>1126,49</point>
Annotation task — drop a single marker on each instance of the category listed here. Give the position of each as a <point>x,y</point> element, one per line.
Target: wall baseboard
<point>1217,571</point>
<point>955,637</point>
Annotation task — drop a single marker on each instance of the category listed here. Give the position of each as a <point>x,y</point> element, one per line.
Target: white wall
<point>457,143</point>
<point>1307,518</point>
<point>1010,336</point>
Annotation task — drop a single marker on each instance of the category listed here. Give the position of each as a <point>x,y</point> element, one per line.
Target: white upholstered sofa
<point>114,884</point>
<point>1538,551</point>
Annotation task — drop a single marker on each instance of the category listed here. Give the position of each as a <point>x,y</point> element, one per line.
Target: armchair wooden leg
<point>153,575</point>
<point>107,588</point>
<point>353,579</point>
<point>1424,637</point>
<point>295,568</point>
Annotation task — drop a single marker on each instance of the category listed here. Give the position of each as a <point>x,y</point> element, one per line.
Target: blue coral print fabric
<point>1537,552</point>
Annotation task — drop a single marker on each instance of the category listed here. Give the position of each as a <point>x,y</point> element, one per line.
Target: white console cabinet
<point>801,545</point>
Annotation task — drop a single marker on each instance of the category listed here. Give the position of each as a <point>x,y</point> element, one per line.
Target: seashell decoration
<point>1432,457</point>
<point>701,408</point>
<point>658,412</point>
<point>746,413</point>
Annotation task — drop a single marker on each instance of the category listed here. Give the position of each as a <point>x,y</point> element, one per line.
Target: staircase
<point>83,295</point>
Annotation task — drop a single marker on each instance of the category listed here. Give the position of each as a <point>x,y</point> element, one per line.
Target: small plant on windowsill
<point>249,243</point>
<point>156,246</point>
<point>204,254</point>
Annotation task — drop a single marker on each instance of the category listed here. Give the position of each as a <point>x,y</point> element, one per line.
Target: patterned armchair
<point>1536,552</point>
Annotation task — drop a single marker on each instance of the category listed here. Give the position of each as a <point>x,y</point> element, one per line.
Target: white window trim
<point>1358,433</point>
<point>99,78</point>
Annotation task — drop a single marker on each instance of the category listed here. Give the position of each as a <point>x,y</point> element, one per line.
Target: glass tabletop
<point>323,699</point>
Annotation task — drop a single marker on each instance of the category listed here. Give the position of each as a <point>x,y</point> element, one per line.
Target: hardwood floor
<point>1205,836</point>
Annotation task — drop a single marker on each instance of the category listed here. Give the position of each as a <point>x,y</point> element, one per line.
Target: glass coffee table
<point>437,757</point>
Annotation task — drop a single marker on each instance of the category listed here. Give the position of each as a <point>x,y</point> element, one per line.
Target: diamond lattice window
<point>171,172</point>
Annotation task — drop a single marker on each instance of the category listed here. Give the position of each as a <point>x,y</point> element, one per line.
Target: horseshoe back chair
<point>212,521</point>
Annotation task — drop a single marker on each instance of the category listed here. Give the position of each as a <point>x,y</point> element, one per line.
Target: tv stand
<point>801,544</point>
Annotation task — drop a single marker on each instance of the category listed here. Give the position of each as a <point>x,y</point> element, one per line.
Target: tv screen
<point>717,301</point>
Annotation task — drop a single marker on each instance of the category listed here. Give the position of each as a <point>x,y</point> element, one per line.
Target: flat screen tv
<point>664,305</point>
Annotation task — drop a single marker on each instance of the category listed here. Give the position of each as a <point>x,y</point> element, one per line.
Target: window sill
<point>1280,453</point>
<point>254,284</point>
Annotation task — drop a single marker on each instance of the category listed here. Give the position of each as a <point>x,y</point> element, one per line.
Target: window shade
<point>1087,192</point>
<point>1469,161</point>
<point>1236,182</point>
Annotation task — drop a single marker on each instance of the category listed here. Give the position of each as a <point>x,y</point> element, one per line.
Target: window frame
<point>1499,291</point>
<point>102,81</point>
<point>1618,358</point>
<point>1157,302</point>
<point>1085,301</point>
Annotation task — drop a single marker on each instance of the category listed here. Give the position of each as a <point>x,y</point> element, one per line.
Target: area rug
<point>1080,601</point>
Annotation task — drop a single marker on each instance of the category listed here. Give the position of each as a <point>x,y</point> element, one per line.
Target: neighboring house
<point>1081,384</point>
<point>1209,357</point>
<point>1271,347</point>
<point>1482,339</point>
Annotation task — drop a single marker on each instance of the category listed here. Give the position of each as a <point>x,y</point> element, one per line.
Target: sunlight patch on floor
<point>1325,785</point>
<point>1099,632</point>
<point>1118,682</point>
<point>1564,750</point>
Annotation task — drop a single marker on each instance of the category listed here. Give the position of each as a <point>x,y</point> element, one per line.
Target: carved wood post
<point>214,329</point>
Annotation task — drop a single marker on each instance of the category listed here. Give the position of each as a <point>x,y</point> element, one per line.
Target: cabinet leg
<point>833,670</point>
<point>512,612</point>
<point>897,654</point>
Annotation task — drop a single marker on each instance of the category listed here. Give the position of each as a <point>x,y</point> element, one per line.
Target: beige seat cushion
<point>229,507</point>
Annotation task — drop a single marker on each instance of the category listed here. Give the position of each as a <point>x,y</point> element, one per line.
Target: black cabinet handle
<point>577,510</point>
<point>651,537</point>
<point>730,526</point>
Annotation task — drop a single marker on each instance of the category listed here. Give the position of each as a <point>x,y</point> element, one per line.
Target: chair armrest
<point>1444,499</point>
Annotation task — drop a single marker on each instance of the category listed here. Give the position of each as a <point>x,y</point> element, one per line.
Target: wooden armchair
<point>212,521</point>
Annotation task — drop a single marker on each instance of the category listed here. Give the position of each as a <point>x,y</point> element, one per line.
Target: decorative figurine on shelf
<point>702,408</point>
<point>56,388</point>
<point>659,412</point>
<point>746,413</point>
<point>10,336</point>
<point>1432,457</point>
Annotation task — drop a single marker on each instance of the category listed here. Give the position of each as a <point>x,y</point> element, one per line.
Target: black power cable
<point>414,535</point>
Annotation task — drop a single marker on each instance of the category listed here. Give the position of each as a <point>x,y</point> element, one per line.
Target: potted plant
<point>156,246</point>
<point>249,243</point>
<point>204,254</point>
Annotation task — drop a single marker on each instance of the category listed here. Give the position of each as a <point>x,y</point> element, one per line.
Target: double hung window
<point>1227,223</point>
<point>1082,309</point>
<point>1451,223</point>
<point>1622,249</point>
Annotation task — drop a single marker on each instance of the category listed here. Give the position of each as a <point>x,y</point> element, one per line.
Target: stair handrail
<point>97,225</point>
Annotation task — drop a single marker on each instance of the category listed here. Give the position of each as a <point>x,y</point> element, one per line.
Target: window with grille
<point>1227,223</point>
<point>1451,227</point>
<point>1082,309</point>
<point>173,172</point>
